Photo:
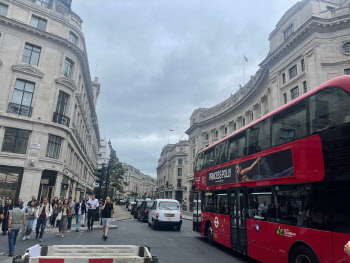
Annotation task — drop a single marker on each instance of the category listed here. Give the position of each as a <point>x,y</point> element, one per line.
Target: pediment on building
<point>67,82</point>
<point>29,70</point>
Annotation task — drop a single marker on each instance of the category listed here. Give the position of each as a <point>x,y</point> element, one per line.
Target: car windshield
<point>139,203</point>
<point>169,205</point>
<point>149,204</point>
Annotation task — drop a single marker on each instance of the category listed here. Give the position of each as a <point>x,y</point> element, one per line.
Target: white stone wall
<point>79,150</point>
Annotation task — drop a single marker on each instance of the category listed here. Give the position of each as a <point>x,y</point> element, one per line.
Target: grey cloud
<point>158,60</point>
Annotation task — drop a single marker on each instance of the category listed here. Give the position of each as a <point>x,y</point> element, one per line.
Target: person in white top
<point>92,205</point>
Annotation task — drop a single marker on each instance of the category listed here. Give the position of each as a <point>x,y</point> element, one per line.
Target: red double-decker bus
<point>278,190</point>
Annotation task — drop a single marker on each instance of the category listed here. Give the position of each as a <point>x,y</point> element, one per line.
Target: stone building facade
<point>49,134</point>
<point>309,45</point>
<point>172,171</point>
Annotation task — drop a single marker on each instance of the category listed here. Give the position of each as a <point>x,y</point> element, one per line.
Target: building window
<point>330,7</point>
<point>225,130</point>
<point>73,38</point>
<point>251,116</point>
<point>347,71</point>
<point>53,147</point>
<point>259,110</point>
<point>68,68</point>
<point>178,182</point>
<point>61,109</point>
<point>179,161</point>
<point>15,141</point>
<point>216,134</point>
<point>304,86</point>
<point>294,93</point>
<point>285,98</point>
<point>44,3</point>
<point>31,54</point>
<point>288,32</point>
<point>346,48</point>
<point>3,9</point>
<point>181,150</point>
<point>22,98</point>
<point>293,72</point>
<point>235,126</point>
<point>207,137</point>
<point>302,65</point>
<point>179,171</point>
<point>284,78</point>
<point>243,122</point>
<point>38,23</point>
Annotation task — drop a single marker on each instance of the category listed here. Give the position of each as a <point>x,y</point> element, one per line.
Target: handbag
<point>59,216</point>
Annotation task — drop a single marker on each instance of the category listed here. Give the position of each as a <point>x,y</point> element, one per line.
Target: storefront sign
<point>77,189</point>
<point>44,181</point>
<point>64,187</point>
<point>82,191</point>
<point>35,146</point>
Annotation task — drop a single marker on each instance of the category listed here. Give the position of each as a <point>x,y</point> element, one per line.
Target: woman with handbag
<point>55,213</point>
<point>30,213</point>
<point>64,209</point>
<point>56,210</point>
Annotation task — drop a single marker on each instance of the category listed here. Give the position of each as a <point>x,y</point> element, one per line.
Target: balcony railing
<point>20,109</point>
<point>61,119</point>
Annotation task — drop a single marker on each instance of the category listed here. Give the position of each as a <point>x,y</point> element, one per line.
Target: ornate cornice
<point>67,82</point>
<point>312,25</point>
<point>28,70</point>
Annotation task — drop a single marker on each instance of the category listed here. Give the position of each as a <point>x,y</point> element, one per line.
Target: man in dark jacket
<point>80,210</point>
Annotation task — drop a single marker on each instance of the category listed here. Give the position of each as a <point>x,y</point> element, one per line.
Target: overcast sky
<point>159,60</point>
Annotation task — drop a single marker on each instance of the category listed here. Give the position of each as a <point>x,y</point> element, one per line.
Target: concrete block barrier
<point>89,254</point>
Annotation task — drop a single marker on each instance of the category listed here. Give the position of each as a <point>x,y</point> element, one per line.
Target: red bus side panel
<point>269,241</point>
<point>339,241</point>
<point>221,227</point>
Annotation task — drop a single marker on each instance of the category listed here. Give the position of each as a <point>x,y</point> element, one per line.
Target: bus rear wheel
<point>303,255</point>
<point>209,235</point>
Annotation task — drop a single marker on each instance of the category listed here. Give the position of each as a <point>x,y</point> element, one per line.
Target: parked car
<point>143,212</point>
<point>165,212</point>
<point>122,202</point>
<point>136,208</point>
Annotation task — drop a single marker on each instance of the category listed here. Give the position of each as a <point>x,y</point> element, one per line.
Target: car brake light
<point>180,216</point>
<point>145,211</point>
<point>157,215</point>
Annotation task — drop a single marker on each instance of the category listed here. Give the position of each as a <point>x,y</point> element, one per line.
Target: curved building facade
<point>309,45</point>
<point>49,133</point>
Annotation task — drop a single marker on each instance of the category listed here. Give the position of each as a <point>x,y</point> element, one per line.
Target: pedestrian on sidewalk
<point>92,206</point>
<point>1,212</point>
<point>80,210</point>
<point>84,216</point>
<point>65,210</point>
<point>54,212</point>
<point>33,199</point>
<point>30,215</point>
<point>7,208</point>
<point>42,214</point>
<point>15,220</point>
<point>107,214</point>
<point>71,204</point>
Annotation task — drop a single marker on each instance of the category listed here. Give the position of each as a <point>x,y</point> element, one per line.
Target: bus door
<point>238,211</point>
<point>197,214</point>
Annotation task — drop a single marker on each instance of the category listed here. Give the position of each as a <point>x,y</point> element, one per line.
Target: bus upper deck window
<point>328,108</point>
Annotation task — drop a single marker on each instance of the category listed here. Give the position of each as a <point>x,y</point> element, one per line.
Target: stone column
<point>30,184</point>
<point>58,184</point>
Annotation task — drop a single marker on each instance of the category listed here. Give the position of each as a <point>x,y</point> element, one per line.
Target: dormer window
<point>346,48</point>
<point>288,32</point>
<point>3,9</point>
<point>44,3</point>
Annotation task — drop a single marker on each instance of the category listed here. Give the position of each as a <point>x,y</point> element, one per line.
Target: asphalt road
<point>168,245</point>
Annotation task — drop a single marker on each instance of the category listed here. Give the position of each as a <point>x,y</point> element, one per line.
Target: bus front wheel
<point>303,254</point>
<point>209,234</point>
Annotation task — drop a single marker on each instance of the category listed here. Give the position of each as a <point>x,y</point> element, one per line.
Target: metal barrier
<point>89,254</point>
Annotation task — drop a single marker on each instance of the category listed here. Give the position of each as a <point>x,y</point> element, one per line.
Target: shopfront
<point>64,187</point>
<point>10,182</point>
<point>47,185</point>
